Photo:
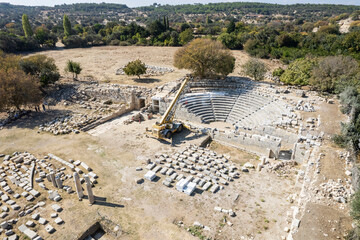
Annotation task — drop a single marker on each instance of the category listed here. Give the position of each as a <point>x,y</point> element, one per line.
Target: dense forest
<point>285,32</point>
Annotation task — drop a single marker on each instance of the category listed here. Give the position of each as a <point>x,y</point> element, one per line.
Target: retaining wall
<point>260,145</point>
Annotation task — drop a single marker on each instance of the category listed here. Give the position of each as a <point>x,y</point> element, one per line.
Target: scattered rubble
<point>150,70</point>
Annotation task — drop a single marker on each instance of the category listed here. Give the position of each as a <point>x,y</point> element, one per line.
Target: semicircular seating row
<point>240,108</point>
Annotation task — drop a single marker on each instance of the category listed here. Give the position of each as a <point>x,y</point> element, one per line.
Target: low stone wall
<point>260,145</point>
<point>121,111</point>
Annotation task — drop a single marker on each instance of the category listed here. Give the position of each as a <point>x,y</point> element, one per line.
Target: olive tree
<point>74,68</point>
<point>334,73</point>
<point>42,67</point>
<point>206,58</point>
<point>135,68</point>
<point>18,89</point>
<point>255,69</point>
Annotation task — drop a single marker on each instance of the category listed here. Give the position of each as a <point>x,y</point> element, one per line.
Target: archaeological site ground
<point>256,160</point>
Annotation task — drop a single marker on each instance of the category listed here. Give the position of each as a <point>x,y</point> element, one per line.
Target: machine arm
<point>165,117</point>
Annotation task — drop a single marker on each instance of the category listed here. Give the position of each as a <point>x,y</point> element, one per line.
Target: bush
<point>74,41</point>
<point>278,72</point>
<point>114,42</point>
<point>299,72</point>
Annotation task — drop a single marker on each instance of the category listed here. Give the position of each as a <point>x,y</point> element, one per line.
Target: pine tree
<point>164,22</point>
<point>26,26</point>
<point>67,25</point>
<point>167,23</point>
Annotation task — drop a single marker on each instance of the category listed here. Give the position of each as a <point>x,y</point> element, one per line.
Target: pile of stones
<point>68,124</point>
<point>150,70</point>
<point>304,106</point>
<point>282,168</point>
<point>288,120</point>
<point>201,167</point>
<point>268,75</point>
<point>19,174</point>
<point>335,190</point>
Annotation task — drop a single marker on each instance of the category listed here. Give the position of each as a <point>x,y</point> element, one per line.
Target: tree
<point>334,73</point>
<point>156,28</point>
<point>186,36</point>
<point>26,26</point>
<point>230,27</point>
<point>355,214</point>
<point>135,68</point>
<point>43,68</point>
<point>44,37</point>
<point>67,25</point>
<point>17,89</point>
<point>231,40</point>
<point>9,61</point>
<point>206,58</point>
<point>352,41</point>
<point>255,69</point>
<point>73,67</point>
<point>299,72</point>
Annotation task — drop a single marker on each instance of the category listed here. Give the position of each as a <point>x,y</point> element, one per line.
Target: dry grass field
<point>102,62</point>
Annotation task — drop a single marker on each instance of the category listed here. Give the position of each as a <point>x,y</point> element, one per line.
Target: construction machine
<point>167,126</point>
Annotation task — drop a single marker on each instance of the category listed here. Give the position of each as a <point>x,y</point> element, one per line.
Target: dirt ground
<point>149,210</point>
<point>325,220</point>
<point>102,62</point>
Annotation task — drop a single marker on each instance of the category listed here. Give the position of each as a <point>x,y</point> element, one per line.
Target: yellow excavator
<point>166,127</point>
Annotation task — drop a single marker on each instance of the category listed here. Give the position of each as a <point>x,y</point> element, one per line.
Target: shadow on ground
<point>33,119</point>
<point>102,201</point>
<point>146,80</point>
<point>183,136</point>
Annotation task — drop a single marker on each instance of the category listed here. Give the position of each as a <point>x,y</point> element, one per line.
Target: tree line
<point>276,39</point>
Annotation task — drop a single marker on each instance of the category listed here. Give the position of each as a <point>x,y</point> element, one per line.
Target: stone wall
<point>260,145</point>
<point>301,152</point>
<point>133,95</point>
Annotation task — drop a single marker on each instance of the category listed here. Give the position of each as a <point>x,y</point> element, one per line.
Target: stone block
<point>5,225</point>
<point>56,208</point>
<point>42,221</point>
<point>206,186</point>
<point>50,229</point>
<point>58,220</point>
<point>30,224</point>
<point>166,183</point>
<point>15,207</point>
<point>30,233</point>
<point>84,165</point>
<point>13,237</point>
<point>9,232</point>
<point>35,216</point>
